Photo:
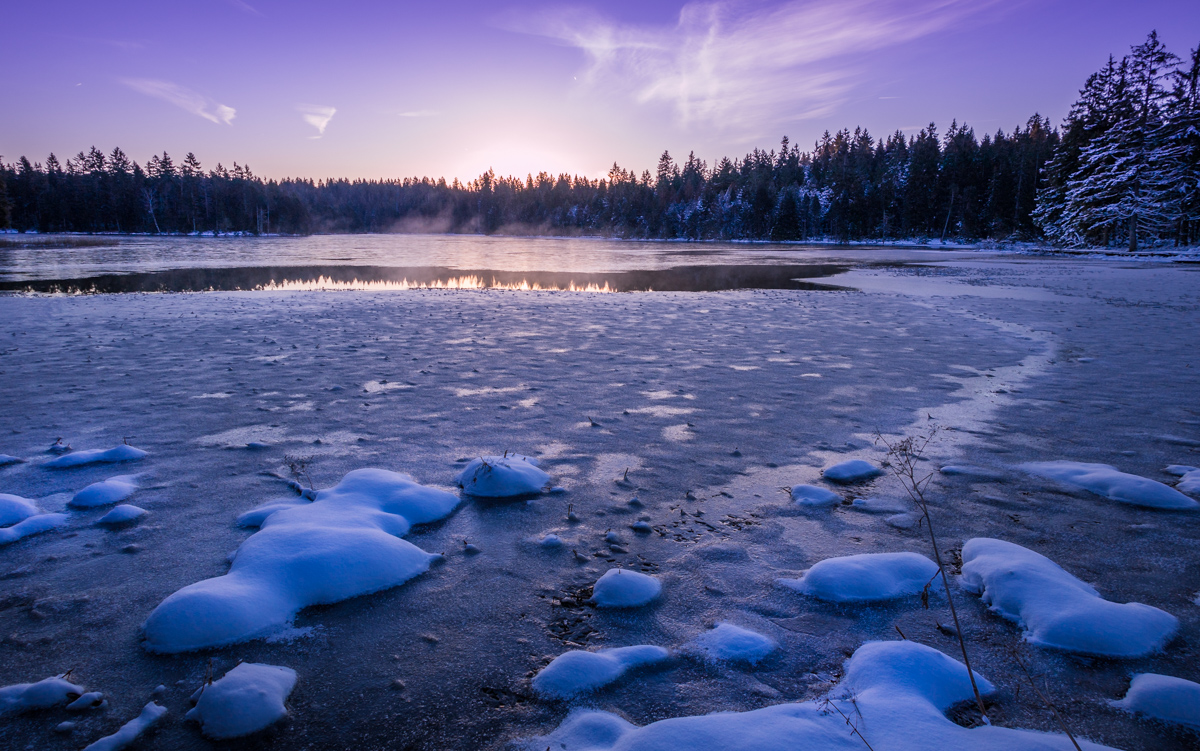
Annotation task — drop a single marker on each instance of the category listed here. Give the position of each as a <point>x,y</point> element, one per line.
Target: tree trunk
<point>1133,234</point>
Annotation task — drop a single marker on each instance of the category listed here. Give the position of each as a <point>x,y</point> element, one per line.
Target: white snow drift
<point>14,508</point>
<point>1108,481</point>
<point>619,588</point>
<point>502,477</point>
<point>122,453</point>
<point>122,514</point>
<point>257,515</point>
<point>901,691</point>
<point>578,672</point>
<point>1189,478</point>
<point>731,643</point>
<point>106,492</point>
<point>1056,609</point>
<point>852,471</point>
<point>342,545</point>
<point>130,731</point>
<point>867,577</point>
<point>247,699</point>
<point>1164,698</point>
<point>30,525</point>
<point>6,459</point>
<point>46,693</point>
<point>814,495</point>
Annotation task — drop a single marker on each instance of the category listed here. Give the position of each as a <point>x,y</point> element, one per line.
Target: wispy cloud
<point>245,7</point>
<point>738,66</point>
<point>419,113</point>
<point>183,98</point>
<point>317,116</point>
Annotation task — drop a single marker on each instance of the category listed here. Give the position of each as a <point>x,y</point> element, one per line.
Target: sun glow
<point>324,283</point>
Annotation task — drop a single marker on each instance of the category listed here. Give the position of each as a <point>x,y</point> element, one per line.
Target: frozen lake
<point>701,405</point>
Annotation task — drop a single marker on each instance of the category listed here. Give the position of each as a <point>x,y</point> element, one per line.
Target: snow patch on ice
<point>578,672</point>
<point>106,492</point>
<point>851,471</point>
<point>662,410</point>
<point>122,514</point>
<point>7,459</point>
<point>502,477</point>
<point>375,387</point>
<point>342,545</point>
<point>46,693</point>
<point>257,515</point>
<point>619,588</point>
<point>1165,698</point>
<point>731,643</point>
<point>1056,609</point>
<point>866,577</point>
<point>247,699</point>
<point>1109,482</point>
<point>14,508</point>
<point>33,525</point>
<point>813,495</point>
<point>130,731</point>
<point>122,453</point>
<point>879,505</point>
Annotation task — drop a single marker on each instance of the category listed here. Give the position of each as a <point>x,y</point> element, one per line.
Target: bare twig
<point>826,704</point>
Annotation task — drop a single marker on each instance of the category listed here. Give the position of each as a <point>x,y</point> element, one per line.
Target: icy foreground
<point>245,700</point>
<point>344,544</point>
<point>1056,609</point>
<point>895,694</point>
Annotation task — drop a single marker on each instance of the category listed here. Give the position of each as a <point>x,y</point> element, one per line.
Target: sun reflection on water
<point>324,283</point>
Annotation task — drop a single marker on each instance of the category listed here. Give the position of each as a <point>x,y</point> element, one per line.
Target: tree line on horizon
<point>1123,169</point>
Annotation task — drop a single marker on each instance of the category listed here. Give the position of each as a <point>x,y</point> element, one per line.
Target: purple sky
<point>375,89</point>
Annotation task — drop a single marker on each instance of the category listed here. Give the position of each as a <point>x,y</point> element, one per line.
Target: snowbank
<point>130,731</point>
<point>105,492</point>
<point>122,515</point>
<point>342,545</point>
<point>852,471</point>
<point>1163,698</point>
<point>578,672</point>
<point>1108,481</point>
<point>867,577</point>
<point>247,699</point>
<point>46,693</point>
<point>1056,609</point>
<point>33,525</point>
<point>619,588</point>
<point>733,644</point>
<point>813,495</point>
<point>6,459</point>
<point>14,508</point>
<point>900,693</point>
<point>122,453</point>
<point>502,477</point>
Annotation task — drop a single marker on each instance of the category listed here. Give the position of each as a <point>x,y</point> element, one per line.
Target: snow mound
<point>867,577</point>
<point>106,492</point>
<point>1108,481</point>
<point>122,453</point>
<point>342,545</point>
<point>900,692</point>
<point>1163,698</point>
<point>122,515</point>
<point>551,541</point>
<point>578,672</point>
<point>852,471</point>
<point>90,700</point>
<point>33,525</point>
<point>46,693</point>
<point>1189,478</point>
<point>14,508</point>
<point>247,699</point>
<point>619,588</point>
<point>732,643</point>
<point>257,515</point>
<point>6,459</point>
<point>130,731</point>
<point>813,495</point>
<point>1056,609</point>
<point>502,477</point>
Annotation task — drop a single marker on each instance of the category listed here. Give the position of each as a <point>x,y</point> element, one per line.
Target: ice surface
<point>344,544</point>
<point>894,693</point>
<point>46,693</point>
<point>1164,698</point>
<point>122,514</point>
<point>867,577</point>
<point>130,731</point>
<point>732,643</point>
<point>1108,481</point>
<point>577,672</point>
<point>31,526</point>
<point>813,495</point>
<point>502,477</point>
<point>971,471</point>
<point>619,588</point>
<point>14,508</point>
<point>1055,609</point>
<point>245,700</point>
<point>122,453</point>
<point>874,505</point>
<point>106,492</point>
<point>851,471</point>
